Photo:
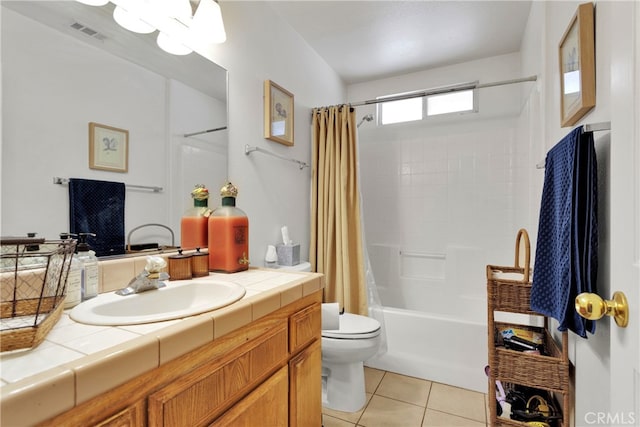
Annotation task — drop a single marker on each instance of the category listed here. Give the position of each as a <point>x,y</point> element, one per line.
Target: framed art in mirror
<point>577,67</point>
<point>108,148</point>
<point>278,113</point>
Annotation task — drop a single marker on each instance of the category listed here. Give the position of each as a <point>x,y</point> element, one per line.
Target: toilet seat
<point>354,326</point>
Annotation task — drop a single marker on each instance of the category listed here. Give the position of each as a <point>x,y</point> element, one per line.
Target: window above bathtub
<point>422,105</point>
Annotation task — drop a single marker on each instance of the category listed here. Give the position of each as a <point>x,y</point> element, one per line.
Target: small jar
<point>199,264</point>
<point>180,266</point>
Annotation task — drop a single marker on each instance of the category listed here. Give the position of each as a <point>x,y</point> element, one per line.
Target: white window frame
<point>426,95</point>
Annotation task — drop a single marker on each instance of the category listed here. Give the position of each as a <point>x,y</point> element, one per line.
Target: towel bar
<point>62,181</point>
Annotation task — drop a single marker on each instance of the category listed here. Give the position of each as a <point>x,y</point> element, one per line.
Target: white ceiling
<point>368,40</point>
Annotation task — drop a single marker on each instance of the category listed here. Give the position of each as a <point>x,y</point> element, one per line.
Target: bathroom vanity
<point>256,361</point>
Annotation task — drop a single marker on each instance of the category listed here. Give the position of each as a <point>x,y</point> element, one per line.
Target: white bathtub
<point>436,327</point>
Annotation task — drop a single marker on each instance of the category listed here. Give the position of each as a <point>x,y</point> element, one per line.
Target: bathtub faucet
<point>151,278</point>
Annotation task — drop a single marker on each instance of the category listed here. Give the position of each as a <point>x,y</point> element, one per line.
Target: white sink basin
<point>178,299</point>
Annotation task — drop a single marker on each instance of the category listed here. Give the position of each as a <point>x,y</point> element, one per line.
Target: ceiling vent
<point>88,31</point>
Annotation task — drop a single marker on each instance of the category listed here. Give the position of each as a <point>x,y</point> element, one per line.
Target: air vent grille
<point>87,30</point>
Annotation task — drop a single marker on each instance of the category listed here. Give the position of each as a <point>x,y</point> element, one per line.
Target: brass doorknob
<point>592,307</point>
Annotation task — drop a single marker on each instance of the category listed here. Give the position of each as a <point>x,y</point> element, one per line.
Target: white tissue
<point>285,236</point>
<point>330,316</point>
<point>271,255</point>
<point>155,264</point>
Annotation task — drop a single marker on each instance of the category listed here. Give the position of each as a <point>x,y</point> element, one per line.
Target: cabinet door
<point>202,394</point>
<point>264,406</point>
<point>132,416</point>
<point>305,387</point>
<point>304,327</point>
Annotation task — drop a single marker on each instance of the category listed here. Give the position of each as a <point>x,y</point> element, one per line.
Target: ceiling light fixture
<point>94,2</point>
<point>131,22</point>
<point>207,22</point>
<point>170,45</point>
<point>177,26</point>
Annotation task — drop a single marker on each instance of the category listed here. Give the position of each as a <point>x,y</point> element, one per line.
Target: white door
<point>625,215</point>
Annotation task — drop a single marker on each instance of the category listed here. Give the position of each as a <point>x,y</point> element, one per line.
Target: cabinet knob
<point>593,307</point>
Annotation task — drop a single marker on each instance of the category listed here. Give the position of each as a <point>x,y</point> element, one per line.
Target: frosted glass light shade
<point>131,22</point>
<point>94,2</point>
<point>179,9</point>
<point>207,22</point>
<point>172,46</point>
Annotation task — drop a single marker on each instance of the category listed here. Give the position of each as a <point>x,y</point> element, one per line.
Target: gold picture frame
<point>577,67</point>
<point>278,113</point>
<point>108,148</point>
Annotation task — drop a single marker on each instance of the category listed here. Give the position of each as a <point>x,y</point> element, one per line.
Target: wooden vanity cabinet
<point>131,416</point>
<point>265,373</point>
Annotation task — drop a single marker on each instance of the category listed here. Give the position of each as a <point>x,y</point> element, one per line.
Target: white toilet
<point>344,351</point>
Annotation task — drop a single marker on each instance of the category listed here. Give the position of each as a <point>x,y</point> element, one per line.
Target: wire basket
<point>33,278</point>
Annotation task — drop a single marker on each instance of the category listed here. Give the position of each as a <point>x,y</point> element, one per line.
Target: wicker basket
<point>509,290</point>
<point>33,276</point>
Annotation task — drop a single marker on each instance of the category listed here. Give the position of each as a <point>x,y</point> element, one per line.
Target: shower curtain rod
<point>444,89</point>
<point>187,135</point>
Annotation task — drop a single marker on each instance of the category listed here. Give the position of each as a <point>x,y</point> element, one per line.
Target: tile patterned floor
<point>398,400</point>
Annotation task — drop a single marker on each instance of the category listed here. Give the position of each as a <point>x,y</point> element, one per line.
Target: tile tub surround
<point>77,362</point>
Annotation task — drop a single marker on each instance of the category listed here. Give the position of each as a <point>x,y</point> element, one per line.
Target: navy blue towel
<point>566,261</point>
<point>98,207</point>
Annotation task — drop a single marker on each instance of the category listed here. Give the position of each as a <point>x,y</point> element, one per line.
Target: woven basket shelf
<point>509,290</point>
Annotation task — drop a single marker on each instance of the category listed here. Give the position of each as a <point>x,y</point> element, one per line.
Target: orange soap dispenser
<point>193,225</point>
<point>228,234</point>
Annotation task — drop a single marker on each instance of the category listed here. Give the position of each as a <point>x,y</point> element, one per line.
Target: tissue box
<point>288,254</point>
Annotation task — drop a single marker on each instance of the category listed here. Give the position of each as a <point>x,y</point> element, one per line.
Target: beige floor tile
<point>440,419</point>
<point>385,412</point>
<point>351,417</point>
<point>404,388</point>
<point>328,421</point>
<point>458,401</point>
<point>372,378</point>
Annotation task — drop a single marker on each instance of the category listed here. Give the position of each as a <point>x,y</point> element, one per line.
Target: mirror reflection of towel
<point>98,207</point>
<point>566,262</point>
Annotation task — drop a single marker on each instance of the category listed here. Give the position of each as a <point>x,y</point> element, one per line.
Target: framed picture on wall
<point>108,148</point>
<point>278,113</point>
<point>577,67</point>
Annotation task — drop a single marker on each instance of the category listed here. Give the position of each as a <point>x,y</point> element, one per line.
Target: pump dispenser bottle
<point>73,291</point>
<point>89,267</point>
<point>193,225</point>
<point>228,234</point>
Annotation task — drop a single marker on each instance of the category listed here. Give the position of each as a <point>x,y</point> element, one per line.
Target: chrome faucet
<point>151,278</point>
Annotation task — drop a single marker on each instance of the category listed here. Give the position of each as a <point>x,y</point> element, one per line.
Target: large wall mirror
<point>66,64</point>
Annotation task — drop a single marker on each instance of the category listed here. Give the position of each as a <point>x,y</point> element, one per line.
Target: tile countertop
<point>78,362</point>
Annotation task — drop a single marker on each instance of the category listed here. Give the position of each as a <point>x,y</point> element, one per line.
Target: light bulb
<point>93,2</point>
<point>172,46</point>
<point>207,22</point>
<point>179,9</point>
<point>131,22</point>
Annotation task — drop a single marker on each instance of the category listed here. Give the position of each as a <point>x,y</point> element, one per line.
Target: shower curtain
<point>336,248</point>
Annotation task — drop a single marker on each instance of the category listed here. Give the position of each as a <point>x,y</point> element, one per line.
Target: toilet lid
<point>354,326</point>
